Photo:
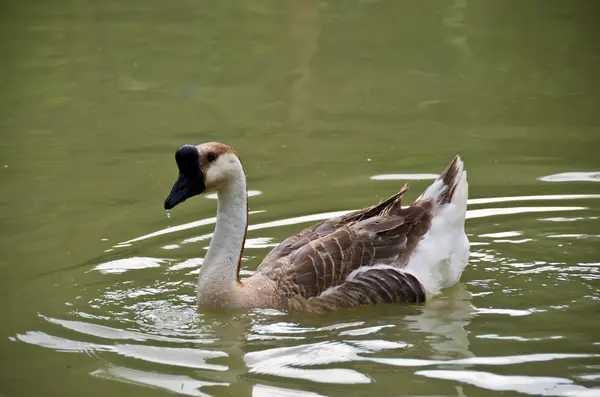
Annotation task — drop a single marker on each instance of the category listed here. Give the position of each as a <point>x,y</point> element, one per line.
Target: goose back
<point>350,260</point>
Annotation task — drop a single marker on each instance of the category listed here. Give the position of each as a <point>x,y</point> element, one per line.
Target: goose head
<point>203,168</point>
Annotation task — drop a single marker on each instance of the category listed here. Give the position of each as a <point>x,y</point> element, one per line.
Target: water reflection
<point>122,265</point>
<point>478,213</point>
<point>487,212</point>
<point>134,322</point>
<point>271,391</point>
<point>572,177</point>
<point>403,177</point>
<point>532,385</point>
<point>445,320</point>
<point>179,384</point>
<point>443,324</point>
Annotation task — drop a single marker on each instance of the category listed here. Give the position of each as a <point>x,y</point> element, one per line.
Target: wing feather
<point>372,286</point>
<point>327,261</point>
<point>386,207</point>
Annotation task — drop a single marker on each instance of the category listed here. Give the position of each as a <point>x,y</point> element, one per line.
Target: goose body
<point>386,253</point>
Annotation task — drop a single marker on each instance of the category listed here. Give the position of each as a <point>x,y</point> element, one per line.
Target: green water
<point>318,99</point>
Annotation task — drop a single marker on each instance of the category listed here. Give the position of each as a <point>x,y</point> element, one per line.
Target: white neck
<point>219,271</point>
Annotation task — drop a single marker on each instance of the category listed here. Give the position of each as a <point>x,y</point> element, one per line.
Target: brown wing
<point>289,245</point>
<point>327,261</point>
<point>372,286</point>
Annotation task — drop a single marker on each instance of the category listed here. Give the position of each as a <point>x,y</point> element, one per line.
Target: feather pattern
<point>359,258</point>
<point>305,266</point>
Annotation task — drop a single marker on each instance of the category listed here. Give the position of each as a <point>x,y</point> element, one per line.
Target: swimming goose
<point>382,254</point>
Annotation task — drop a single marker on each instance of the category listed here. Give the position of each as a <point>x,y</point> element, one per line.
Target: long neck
<point>220,268</point>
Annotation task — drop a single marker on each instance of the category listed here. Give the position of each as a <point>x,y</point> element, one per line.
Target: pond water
<point>332,106</point>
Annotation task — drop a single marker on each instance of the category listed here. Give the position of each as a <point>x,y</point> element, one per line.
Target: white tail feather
<point>442,254</point>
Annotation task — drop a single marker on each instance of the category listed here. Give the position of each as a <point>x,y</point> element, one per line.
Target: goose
<point>385,253</point>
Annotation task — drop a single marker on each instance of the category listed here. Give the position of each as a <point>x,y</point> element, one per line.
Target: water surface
<point>332,106</point>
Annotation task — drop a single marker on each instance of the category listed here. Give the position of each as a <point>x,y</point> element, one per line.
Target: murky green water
<point>320,99</point>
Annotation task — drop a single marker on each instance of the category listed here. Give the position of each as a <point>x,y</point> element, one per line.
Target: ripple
<point>188,263</point>
<point>105,332</point>
<point>502,234</point>
<point>288,362</point>
<point>365,331</point>
<point>443,321</point>
<point>42,339</point>
<point>567,219</point>
<point>119,266</point>
<point>291,362</point>
<point>402,177</point>
<point>271,391</point>
<point>573,235</point>
<point>173,229</point>
<point>501,237</point>
<point>492,200</point>
<point>582,270</point>
<point>572,177</point>
<point>485,361</point>
<point>533,385</point>
<point>179,384</point>
<point>259,242</point>
<point>157,325</point>
<point>521,241</point>
<point>510,312</point>
<point>483,213</point>
<point>478,213</point>
<point>279,223</point>
<point>172,356</point>
<point>175,356</point>
<point>517,338</point>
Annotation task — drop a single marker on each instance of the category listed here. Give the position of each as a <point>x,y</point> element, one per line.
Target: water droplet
<point>168,214</point>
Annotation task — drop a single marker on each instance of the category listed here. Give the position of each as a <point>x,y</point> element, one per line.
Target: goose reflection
<point>309,348</point>
<point>445,320</point>
<point>131,326</point>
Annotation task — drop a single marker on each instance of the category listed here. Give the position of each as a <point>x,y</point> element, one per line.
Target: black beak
<point>191,178</point>
<point>184,188</point>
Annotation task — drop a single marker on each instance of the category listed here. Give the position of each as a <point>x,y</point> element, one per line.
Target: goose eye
<point>210,157</point>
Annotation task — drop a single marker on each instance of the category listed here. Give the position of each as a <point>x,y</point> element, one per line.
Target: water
<point>332,106</point>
